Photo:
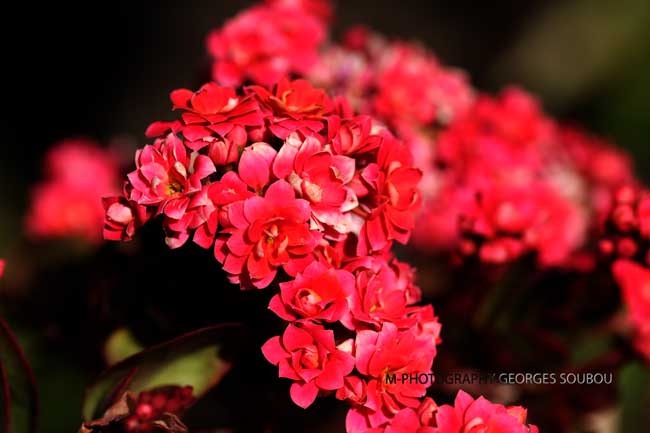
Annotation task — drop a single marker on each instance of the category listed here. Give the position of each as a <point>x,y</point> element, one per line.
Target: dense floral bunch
<point>284,180</point>
<point>67,203</point>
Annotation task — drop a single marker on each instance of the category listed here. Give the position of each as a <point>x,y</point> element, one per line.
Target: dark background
<point>105,69</point>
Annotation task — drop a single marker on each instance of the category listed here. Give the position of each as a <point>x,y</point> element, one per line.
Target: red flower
<point>213,109</point>
<point>393,200</point>
<point>123,218</point>
<point>2,268</point>
<point>414,89</point>
<point>265,43</point>
<point>306,353</point>
<point>166,176</point>
<point>222,193</point>
<point>255,165</point>
<point>68,202</point>
<point>469,415</point>
<point>498,134</point>
<point>514,220</point>
<point>634,281</point>
<point>267,232</point>
<point>379,296</point>
<point>293,106</point>
<point>354,136</point>
<point>388,352</point>
<point>321,178</point>
<point>318,293</point>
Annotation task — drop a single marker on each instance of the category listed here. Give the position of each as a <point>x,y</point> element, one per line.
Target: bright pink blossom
<point>390,351</point>
<point>307,354</point>
<point>318,293</point>
<point>380,296</point>
<point>167,175</point>
<point>267,233</point>
<point>321,178</point>
<point>393,197</point>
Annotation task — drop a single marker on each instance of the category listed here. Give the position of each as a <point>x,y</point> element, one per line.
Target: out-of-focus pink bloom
<point>634,281</point>
<point>414,89</point>
<point>2,268</point>
<point>512,221</point>
<point>306,353</point>
<point>626,226</point>
<point>68,203</point>
<point>265,43</point>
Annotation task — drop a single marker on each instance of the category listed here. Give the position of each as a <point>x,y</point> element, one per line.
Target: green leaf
<point>18,397</point>
<point>634,389</point>
<point>120,345</point>
<point>193,359</point>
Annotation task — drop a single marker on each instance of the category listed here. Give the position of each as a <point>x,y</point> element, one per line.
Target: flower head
<point>306,353</point>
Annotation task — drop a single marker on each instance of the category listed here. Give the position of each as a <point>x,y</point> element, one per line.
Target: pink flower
<point>379,296</point>
<point>222,193</point>
<point>123,218</point>
<point>68,203</point>
<point>354,136</point>
<point>265,43</point>
<point>255,165</point>
<point>634,281</point>
<point>393,199</point>
<point>514,220</point>
<point>321,178</point>
<point>318,293</point>
<point>469,415</point>
<point>166,176</point>
<point>388,352</point>
<point>306,353</point>
<point>413,88</point>
<point>293,106</point>
<point>2,268</point>
<point>267,233</point>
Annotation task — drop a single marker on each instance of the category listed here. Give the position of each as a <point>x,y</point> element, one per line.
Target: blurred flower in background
<point>67,203</point>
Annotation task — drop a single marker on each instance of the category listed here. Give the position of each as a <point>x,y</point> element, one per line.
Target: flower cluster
<point>67,203</point>
<point>286,181</point>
